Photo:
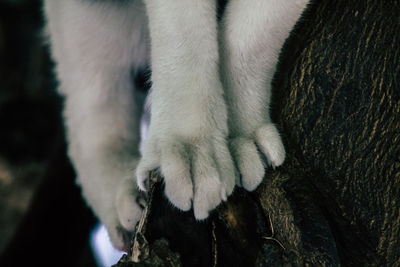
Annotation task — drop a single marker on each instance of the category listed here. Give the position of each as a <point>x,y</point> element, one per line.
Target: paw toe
<point>149,162</point>
<point>226,169</point>
<point>120,238</point>
<point>128,209</point>
<point>271,145</point>
<point>178,184</point>
<point>208,185</point>
<point>179,191</point>
<point>206,199</point>
<point>143,173</point>
<point>249,162</point>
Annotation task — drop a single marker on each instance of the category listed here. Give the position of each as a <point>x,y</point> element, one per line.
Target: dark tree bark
<point>338,103</point>
<point>336,200</point>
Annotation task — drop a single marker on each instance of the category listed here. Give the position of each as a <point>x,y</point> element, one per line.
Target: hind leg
<point>97,46</point>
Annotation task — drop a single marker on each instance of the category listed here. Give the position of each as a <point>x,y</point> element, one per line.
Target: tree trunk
<point>336,200</point>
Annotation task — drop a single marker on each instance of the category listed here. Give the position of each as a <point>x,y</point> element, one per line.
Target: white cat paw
<point>198,174</point>
<point>120,238</point>
<point>115,199</point>
<point>121,219</point>
<point>247,156</point>
<point>128,204</point>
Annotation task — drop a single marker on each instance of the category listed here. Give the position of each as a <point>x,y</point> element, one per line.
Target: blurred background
<point>42,216</point>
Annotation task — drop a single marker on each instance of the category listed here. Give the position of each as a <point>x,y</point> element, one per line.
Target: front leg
<point>186,138</point>
<point>251,39</point>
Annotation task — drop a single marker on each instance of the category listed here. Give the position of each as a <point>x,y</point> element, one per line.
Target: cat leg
<point>97,47</point>
<point>251,38</point>
<point>188,128</point>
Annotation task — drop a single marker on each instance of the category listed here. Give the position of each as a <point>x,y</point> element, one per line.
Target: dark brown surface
<point>339,98</point>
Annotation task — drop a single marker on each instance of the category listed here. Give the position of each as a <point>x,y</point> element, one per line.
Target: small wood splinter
<point>272,237</point>
<point>214,245</point>
<point>140,248</point>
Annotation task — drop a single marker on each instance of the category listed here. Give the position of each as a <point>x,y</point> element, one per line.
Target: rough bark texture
<point>336,200</point>
<point>338,104</point>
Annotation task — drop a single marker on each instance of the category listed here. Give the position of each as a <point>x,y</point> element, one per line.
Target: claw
<point>143,184</point>
<point>223,194</point>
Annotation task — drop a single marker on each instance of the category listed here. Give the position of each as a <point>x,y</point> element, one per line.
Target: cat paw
<point>120,216</point>
<point>197,173</point>
<point>245,151</point>
<point>129,204</point>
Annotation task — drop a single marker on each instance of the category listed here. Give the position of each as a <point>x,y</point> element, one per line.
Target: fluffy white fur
<point>210,98</point>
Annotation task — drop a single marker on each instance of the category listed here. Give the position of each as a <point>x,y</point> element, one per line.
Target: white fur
<point>96,46</point>
<point>188,129</point>
<point>209,82</point>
